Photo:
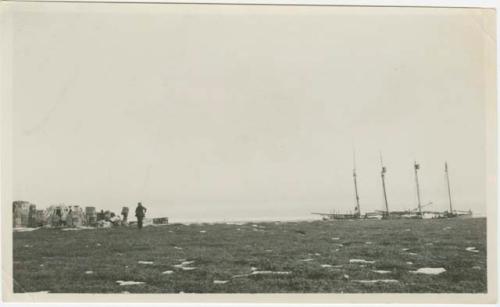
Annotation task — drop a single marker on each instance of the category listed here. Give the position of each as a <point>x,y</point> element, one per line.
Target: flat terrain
<point>257,257</point>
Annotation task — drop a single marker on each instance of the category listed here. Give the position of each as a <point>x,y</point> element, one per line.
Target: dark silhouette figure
<point>59,216</point>
<point>125,215</point>
<point>100,215</point>
<point>140,212</point>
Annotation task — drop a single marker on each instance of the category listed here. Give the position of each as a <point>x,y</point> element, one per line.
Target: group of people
<point>140,213</point>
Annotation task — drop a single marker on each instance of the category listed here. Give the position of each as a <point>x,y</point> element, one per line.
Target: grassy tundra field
<point>332,257</point>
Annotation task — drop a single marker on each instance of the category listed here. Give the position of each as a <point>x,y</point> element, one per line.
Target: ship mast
<point>417,167</point>
<point>382,175</point>
<point>357,210</point>
<point>448,183</point>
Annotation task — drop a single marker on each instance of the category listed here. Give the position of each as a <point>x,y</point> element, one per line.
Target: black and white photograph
<point>178,149</point>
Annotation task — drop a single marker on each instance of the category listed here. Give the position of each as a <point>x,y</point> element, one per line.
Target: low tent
<point>56,215</point>
<point>63,215</point>
<point>41,218</point>
<point>75,217</point>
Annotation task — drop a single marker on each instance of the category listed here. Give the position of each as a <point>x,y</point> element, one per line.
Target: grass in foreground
<point>317,255</point>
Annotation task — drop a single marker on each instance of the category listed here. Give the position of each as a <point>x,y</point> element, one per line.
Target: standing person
<point>140,212</point>
<point>58,216</point>
<point>69,218</point>
<point>125,216</point>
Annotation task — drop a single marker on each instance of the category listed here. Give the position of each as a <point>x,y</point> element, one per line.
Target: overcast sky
<point>209,112</point>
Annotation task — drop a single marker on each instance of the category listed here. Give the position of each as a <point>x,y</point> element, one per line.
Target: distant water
<point>303,218</point>
<point>245,220</point>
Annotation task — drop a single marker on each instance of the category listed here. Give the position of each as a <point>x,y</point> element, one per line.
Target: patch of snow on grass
<point>376,281</point>
<point>381,271</point>
<point>77,228</point>
<point>183,266</point>
<point>472,249</point>
<point>360,261</point>
<point>23,229</point>
<point>240,275</point>
<point>220,282</point>
<point>262,273</point>
<point>429,271</point>
<point>129,283</point>
<point>270,272</point>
